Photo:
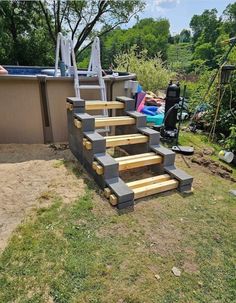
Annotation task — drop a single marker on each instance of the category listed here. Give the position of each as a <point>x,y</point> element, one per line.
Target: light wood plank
<point>139,162</point>
<point>148,181</point>
<point>152,189</point>
<point>114,121</point>
<point>120,140</point>
<point>113,200</point>
<point>120,159</point>
<point>88,145</point>
<point>96,105</point>
<point>99,170</point>
<point>94,165</point>
<point>107,192</point>
<point>77,123</point>
<point>69,106</point>
<point>123,136</point>
<point>84,141</point>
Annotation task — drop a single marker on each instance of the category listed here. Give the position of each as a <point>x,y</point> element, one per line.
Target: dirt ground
<point>29,175</point>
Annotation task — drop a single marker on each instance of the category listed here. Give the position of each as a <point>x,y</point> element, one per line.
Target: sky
<point>179,12</point>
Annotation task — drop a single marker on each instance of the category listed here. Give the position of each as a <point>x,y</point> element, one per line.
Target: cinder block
<point>125,205</point>
<point>140,118</point>
<point>121,190</point>
<point>75,135</point>
<point>183,178</point>
<point>185,188</point>
<point>128,102</point>
<point>167,154</point>
<point>154,136</point>
<point>76,102</point>
<point>87,121</point>
<point>98,147</point>
<point>110,166</point>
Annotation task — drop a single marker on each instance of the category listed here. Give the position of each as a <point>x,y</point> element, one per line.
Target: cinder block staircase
<point>141,142</point>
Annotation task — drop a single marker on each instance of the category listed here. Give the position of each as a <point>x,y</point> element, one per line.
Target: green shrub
<point>151,73</point>
<point>230,142</point>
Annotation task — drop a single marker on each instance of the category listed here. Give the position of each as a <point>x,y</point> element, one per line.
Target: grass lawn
<point>84,251</point>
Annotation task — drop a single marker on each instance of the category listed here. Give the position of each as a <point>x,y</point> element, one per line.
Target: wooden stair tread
<point>109,121</point>
<point>94,105</point>
<point>120,159</point>
<point>131,162</point>
<point>121,140</point>
<point>122,136</point>
<point>139,162</point>
<point>148,181</point>
<point>152,189</point>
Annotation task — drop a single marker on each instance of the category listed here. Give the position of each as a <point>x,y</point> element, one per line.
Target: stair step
<point>113,141</point>
<point>96,105</point>
<point>130,162</point>
<point>146,190</point>
<point>152,189</point>
<point>148,181</point>
<point>92,86</point>
<point>114,121</point>
<point>134,162</point>
<point>123,140</point>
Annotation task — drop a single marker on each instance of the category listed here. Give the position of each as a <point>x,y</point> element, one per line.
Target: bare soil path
<point>29,174</point>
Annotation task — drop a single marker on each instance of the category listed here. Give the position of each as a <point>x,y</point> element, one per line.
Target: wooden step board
<point>109,121</point>
<point>96,105</point>
<point>146,187</point>
<point>136,161</point>
<point>113,141</point>
<point>130,162</point>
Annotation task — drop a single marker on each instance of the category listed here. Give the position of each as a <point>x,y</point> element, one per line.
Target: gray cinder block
<point>87,121</point>
<point>184,179</point>
<point>121,190</point>
<point>75,135</point>
<point>125,205</point>
<point>154,136</point>
<point>98,147</point>
<point>140,118</point>
<point>167,154</point>
<point>110,166</point>
<point>128,102</point>
<point>76,102</point>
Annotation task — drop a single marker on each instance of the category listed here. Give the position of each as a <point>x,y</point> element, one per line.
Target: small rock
<point>157,277</point>
<point>176,271</point>
<point>233,192</point>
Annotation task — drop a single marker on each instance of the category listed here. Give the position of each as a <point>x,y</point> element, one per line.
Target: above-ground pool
<point>32,103</point>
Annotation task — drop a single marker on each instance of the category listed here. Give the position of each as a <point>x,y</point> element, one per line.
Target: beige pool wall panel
<point>21,114</point>
<point>20,111</point>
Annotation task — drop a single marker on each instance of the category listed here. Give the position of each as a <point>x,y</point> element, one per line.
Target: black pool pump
<point>171,110</point>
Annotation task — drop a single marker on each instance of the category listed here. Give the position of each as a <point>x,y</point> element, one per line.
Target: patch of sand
<point>30,174</point>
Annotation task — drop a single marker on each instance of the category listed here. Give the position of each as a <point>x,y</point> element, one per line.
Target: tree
<point>230,19</point>
<point>205,26</point>
<point>147,34</point>
<point>23,38</point>
<point>82,19</point>
<point>185,36</point>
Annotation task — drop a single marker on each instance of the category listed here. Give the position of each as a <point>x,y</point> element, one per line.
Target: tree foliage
<point>151,72</point>
<point>148,34</point>
<point>82,19</point>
